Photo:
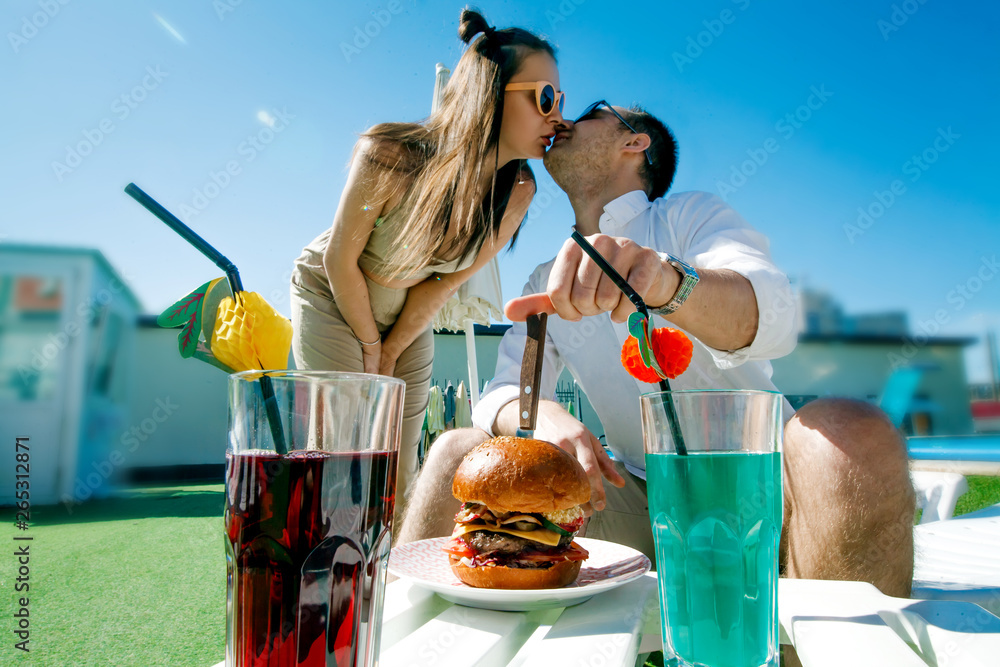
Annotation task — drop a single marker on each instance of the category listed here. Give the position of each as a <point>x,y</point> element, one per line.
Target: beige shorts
<point>322,340</point>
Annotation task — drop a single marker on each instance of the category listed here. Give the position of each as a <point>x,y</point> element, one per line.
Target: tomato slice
<point>576,552</point>
<point>573,552</point>
<point>459,548</point>
<point>573,526</point>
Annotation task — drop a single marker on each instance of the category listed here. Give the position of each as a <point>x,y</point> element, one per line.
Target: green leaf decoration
<point>186,313</point>
<point>638,328</point>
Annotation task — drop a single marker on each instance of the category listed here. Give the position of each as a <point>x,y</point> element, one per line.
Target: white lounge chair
<point>959,559</point>
<point>937,493</point>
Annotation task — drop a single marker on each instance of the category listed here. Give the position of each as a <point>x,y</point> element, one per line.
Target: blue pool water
<point>962,448</point>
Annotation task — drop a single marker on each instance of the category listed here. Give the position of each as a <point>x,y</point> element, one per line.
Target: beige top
<point>372,258</point>
<point>310,273</point>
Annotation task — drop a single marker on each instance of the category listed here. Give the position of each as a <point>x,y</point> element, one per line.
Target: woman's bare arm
<point>353,222</point>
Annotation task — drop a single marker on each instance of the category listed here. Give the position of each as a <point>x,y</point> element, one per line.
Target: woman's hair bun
<point>470,24</point>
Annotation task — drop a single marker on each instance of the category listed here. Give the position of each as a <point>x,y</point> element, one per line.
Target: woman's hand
<point>390,354</point>
<point>371,356</point>
<point>387,366</point>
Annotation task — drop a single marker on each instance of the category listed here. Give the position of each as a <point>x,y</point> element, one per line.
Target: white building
<point>67,346</point>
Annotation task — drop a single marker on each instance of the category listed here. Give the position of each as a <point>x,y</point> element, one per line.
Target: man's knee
<point>851,431</point>
<point>451,447</point>
<point>849,453</point>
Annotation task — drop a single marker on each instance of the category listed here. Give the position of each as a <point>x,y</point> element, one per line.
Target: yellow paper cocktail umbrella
<point>249,334</point>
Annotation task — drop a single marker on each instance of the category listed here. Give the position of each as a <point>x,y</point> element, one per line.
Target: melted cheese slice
<point>547,537</point>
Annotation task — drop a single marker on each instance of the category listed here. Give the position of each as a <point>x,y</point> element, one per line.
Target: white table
<point>830,623</point>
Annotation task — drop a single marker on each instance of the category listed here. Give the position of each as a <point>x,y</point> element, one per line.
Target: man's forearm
<point>508,420</point>
<point>721,311</point>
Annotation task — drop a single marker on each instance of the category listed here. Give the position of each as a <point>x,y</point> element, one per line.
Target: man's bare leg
<point>431,509</point>
<point>849,501</point>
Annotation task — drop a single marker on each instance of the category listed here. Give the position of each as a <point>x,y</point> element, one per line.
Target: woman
<point>426,205</point>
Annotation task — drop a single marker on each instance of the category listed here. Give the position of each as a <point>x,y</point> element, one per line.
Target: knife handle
<point>531,370</point>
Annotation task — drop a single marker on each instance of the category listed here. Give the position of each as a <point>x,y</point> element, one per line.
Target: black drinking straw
<point>640,305</point>
<point>235,284</point>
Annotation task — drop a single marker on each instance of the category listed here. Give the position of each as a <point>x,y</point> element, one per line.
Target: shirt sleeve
<point>714,236</point>
<point>506,383</point>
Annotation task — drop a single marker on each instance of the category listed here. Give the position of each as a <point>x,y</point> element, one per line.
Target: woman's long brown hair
<point>444,157</point>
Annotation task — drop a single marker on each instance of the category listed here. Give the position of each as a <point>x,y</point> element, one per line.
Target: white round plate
<point>609,566</point>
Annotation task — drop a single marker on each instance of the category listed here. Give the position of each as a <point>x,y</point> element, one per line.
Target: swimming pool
<point>955,447</point>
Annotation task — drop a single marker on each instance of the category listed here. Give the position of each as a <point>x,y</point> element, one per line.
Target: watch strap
<point>689,278</point>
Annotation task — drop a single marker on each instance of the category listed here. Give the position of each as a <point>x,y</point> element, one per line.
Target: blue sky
<point>798,114</point>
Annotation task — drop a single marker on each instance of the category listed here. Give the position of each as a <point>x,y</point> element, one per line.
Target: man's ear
<point>637,143</point>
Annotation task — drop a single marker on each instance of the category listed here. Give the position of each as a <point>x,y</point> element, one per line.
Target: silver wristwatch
<point>689,278</point>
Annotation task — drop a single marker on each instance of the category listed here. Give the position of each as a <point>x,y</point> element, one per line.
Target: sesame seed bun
<point>523,475</point>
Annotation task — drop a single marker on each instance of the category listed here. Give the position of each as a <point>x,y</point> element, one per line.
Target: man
<point>848,499</point>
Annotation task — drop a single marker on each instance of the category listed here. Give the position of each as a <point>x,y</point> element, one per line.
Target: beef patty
<point>488,542</point>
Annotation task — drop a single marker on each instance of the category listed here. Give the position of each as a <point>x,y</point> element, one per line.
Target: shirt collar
<point>619,212</point>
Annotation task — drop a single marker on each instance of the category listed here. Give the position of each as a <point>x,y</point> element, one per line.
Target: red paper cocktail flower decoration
<point>672,349</point>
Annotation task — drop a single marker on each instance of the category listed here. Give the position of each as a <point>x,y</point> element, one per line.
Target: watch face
<point>683,267</point>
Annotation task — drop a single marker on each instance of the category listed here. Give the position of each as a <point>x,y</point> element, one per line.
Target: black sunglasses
<point>589,111</point>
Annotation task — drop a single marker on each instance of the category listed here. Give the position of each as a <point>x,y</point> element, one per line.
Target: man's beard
<point>578,172</point>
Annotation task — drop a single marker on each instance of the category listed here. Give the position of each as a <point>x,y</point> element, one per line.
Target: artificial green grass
<point>983,492</point>
<point>136,580</point>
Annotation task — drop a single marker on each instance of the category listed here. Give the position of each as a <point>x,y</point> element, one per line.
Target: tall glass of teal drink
<point>715,505</point>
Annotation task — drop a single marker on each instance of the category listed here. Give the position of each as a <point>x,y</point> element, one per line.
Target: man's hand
<point>557,426</point>
<point>577,287</point>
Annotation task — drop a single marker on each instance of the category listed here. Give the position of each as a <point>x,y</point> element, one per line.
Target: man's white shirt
<point>700,229</point>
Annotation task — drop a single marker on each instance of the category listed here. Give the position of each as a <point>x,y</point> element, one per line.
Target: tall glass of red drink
<point>308,516</point>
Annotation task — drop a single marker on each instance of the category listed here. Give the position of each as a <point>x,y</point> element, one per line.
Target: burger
<point>520,511</point>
